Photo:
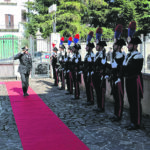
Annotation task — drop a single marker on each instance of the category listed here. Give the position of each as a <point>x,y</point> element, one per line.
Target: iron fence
<point>40,50</point>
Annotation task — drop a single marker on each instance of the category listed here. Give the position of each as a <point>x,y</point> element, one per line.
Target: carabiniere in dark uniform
<point>132,67</point>
<point>61,67</point>
<point>117,79</point>
<point>68,69</point>
<point>24,68</point>
<point>54,62</point>
<point>88,69</point>
<point>76,62</point>
<point>99,75</point>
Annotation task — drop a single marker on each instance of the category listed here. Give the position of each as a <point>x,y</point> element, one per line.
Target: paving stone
<point>94,129</point>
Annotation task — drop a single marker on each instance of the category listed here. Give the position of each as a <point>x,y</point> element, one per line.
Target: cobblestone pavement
<point>94,129</point>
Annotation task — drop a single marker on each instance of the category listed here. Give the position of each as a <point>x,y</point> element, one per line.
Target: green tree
<point>39,18</point>
<point>142,8</point>
<point>83,16</point>
<point>120,12</point>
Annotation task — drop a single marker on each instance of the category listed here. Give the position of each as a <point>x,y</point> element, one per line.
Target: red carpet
<point>39,128</point>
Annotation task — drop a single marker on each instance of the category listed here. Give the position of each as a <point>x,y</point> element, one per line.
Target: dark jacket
<point>25,62</point>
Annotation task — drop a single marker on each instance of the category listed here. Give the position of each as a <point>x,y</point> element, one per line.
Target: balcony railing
<point>9,28</point>
<point>8,3</point>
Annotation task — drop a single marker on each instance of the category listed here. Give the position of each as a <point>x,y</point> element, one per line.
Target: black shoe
<point>98,110</point>
<point>61,88</point>
<point>25,94</point>
<point>90,103</point>
<point>55,85</point>
<point>67,93</point>
<point>101,110</point>
<point>115,119</point>
<point>133,127</point>
<point>75,98</point>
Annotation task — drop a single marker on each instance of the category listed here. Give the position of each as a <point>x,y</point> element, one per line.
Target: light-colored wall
<point>14,10</point>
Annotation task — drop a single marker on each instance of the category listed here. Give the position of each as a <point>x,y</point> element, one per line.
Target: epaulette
<point>119,55</point>
<point>92,55</point>
<point>138,56</point>
<point>78,55</point>
<point>63,53</point>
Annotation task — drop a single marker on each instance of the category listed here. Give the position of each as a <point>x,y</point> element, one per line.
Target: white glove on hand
<point>68,71</point>
<point>124,63</point>
<point>65,59</point>
<point>106,77</point>
<point>64,72</point>
<point>114,64</point>
<point>76,60</point>
<point>80,72</point>
<point>102,78</point>
<point>88,74</point>
<point>89,59</point>
<point>117,81</point>
<point>103,61</point>
<point>92,72</point>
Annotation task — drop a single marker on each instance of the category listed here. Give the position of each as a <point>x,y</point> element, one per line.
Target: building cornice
<point>8,4</point>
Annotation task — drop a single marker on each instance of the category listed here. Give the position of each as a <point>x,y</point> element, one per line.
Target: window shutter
<point>12,21</point>
<point>6,21</point>
<point>23,15</point>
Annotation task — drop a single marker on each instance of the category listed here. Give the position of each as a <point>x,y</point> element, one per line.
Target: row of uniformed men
<point>96,70</point>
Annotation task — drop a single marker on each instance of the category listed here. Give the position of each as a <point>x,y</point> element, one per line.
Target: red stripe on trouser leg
<point>56,77</point>
<point>138,100</point>
<point>91,88</point>
<point>120,94</point>
<point>103,97</point>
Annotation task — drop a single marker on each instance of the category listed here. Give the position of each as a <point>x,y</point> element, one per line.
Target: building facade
<point>13,14</point>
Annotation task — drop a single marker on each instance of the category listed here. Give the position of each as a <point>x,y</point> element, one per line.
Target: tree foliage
<point>83,16</point>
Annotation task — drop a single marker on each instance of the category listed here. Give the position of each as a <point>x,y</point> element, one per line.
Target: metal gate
<point>40,51</point>
<point>9,46</point>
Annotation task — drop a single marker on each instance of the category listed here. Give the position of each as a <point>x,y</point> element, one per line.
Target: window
<point>9,21</point>
<point>23,15</point>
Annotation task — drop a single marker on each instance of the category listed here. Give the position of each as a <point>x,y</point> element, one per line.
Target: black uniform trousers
<point>100,89</point>
<point>76,84</point>
<point>62,79</point>
<point>133,89</point>
<point>69,80</point>
<point>25,82</point>
<point>118,95</point>
<point>89,88</point>
<point>55,75</point>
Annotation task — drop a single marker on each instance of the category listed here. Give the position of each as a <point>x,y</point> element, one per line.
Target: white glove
<point>106,77</point>
<point>102,78</point>
<point>80,72</point>
<point>114,64</point>
<point>117,81</point>
<point>124,63</point>
<point>68,71</point>
<point>92,72</point>
<point>22,52</point>
<point>76,60</point>
<point>103,61</point>
<point>65,59</point>
<point>88,74</point>
<point>64,72</point>
<point>89,59</point>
